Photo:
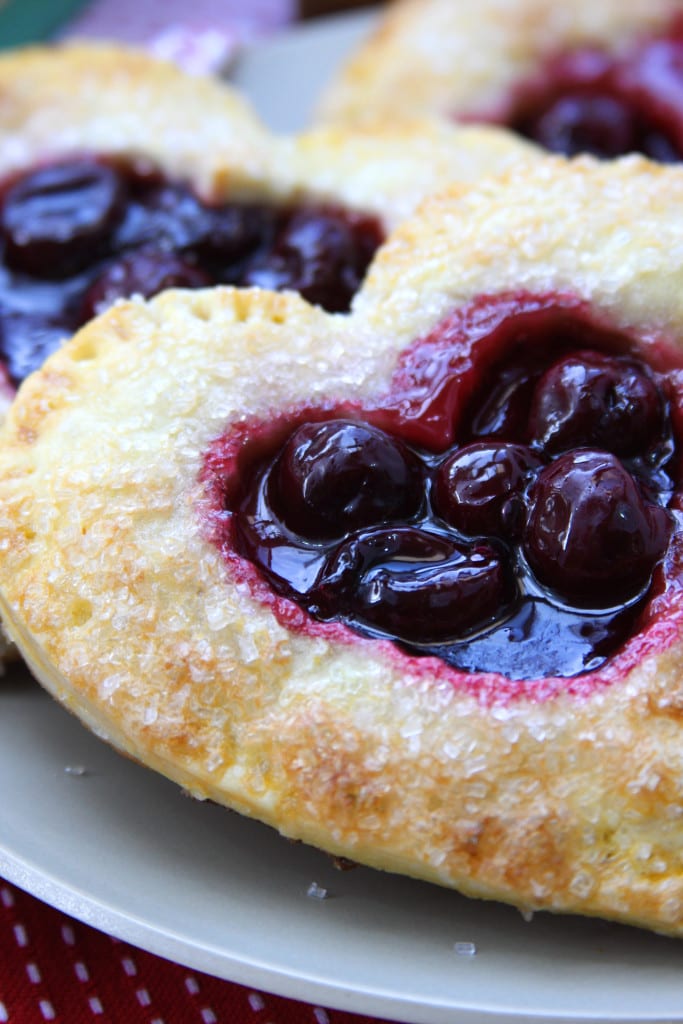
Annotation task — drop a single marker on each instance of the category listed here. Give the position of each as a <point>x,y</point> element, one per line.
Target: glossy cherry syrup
<point>79,234</point>
<point>507,508</point>
<point>587,101</point>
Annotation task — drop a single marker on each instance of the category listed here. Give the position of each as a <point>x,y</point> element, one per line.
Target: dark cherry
<point>338,476</point>
<point>171,218</point>
<point>591,536</point>
<point>580,122</point>
<point>161,215</point>
<point>322,254</point>
<point>145,273</point>
<point>58,219</point>
<point>479,489</point>
<point>233,237</point>
<point>595,400</point>
<point>415,586</point>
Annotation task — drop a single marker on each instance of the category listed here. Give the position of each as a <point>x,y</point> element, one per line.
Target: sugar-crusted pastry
<point>590,77</point>
<point>307,564</point>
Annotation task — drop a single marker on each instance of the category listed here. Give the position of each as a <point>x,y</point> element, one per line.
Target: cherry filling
<point>590,532</point>
<point>331,478</point>
<point>526,538</point>
<point>79,234</point>
<point>586,101</point>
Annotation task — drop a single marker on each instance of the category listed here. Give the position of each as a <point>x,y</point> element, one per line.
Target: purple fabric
<point>201,36</point>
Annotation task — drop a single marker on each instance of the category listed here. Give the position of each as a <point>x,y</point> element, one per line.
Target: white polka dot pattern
<point>53,968</point>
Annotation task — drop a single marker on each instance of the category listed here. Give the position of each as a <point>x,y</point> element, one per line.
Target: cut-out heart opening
<point>510,507</point>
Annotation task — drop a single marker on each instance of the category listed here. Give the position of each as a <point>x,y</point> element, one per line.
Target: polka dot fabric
<point>53,968</point>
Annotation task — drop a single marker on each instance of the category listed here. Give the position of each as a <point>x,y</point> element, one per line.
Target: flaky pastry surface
<point>129,615</point>
<point>456,58</point>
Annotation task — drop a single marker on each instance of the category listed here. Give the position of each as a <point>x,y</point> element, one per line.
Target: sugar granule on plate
<point>317,892</point>
<point>465,948</point>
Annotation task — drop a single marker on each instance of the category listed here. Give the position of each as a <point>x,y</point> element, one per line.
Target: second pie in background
<point>603,78</point>
<point>120,175</point>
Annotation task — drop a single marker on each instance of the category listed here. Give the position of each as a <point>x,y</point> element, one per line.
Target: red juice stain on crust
<point>438,375</point>
<point>441,574</point>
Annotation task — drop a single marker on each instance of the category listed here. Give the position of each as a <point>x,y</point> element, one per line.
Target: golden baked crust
<point>132,619</point>
<point>454,57</point>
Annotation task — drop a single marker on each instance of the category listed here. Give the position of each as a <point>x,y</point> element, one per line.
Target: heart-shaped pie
<point>119,175</point>
<point>404,583</point>
<point>602,78</point>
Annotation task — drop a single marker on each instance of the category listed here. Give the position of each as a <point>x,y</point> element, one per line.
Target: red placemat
<point>53,968</point>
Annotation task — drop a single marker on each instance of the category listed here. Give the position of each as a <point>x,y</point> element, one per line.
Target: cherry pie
<point>405,584</point>
<point>603,78</point>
